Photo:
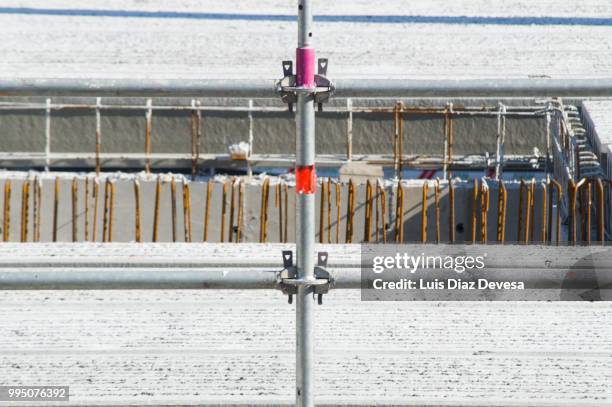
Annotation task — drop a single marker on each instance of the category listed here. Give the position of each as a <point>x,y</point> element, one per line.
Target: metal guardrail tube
<point>345,88</point>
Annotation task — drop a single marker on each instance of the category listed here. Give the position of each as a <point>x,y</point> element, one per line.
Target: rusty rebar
<point>383,210</point>
<point>156,210</point>
<point>106,212</point>
<point>263,213</point>
<point>86,208</point>
<point>286,217</point>
<point>350,212</point>
<point>531,211</point>
<point>586,212</point>
<point>502,202</point>
<point>37,203</point>
<point>55,208</point>
<point>75,198</point>
<point>329,210</point>
<point>187,211</point>
<point>223,212</point>
<point>338,210</point>
<point>322,212</point>
<point>25,210</point>
<point>209,190</point>
<point>95,192</point>
<point>232,208</point>
<point>520,211</point>
<point>573,189</point>
<point>559,191</point>
<point>545,209</point>
<point>173,207</point>
<point>377,228</point>
<point>601,216</point>
<point>111,209</point>
<point>240,211</point>
<point>367,226</point>
<point>484,210</point>
<point>137,227</point>
<point>6,221</point>
<point>399,214</point>
<point>474,209</point>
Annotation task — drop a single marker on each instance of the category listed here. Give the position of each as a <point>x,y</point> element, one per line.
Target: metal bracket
<point>288,282</point>
<point>288,91</point>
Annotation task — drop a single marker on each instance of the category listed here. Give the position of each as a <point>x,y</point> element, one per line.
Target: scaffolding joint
<point>289,90</point>
<point>288,282</point>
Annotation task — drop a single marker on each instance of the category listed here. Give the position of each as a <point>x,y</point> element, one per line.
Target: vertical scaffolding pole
<point>305,190</point>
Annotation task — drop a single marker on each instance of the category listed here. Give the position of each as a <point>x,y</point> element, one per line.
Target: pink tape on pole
<point>305,69</point>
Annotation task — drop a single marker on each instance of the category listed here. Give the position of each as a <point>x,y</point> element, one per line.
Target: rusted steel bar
<point>111,210</point>
<point>96,191</point>
<point>329,210</point>
<point>573,189</point>
<point>223,212</point>
<point>105,213</point>
<point>98,134</point>
<point>137,227</point>
<point>240,211</point>
<point>586,210</point>
<point>559,193</point>
<point>75,192</point>
<point>187,210</point>
<point>601,216</point>
<point>502,201</point>
<point>322,212</point>
<point>451,210</point>
<point>338,209</point>
<point>196,117</point>
<point>148,117</point>
<point>286,217</point>
<point>545,209</point>
<point>350,212</point>
<point>367,225</point>
<point>209,190</point>
<point>531,210</point>
<point>484,210</point>
<point>398,120</point>
<point>519,234</point>
<point>232,209</point>
<point>55,208</point>
<point>263,219</point>
<point>528,217</point>
<point>25,210</point>
<point>377,228</point>
<point>437,203</point>
<point>474,209</point>
<point>6,221</point>
<point>278,203</point>
<point>383,210</point>
<point>424,205</point>
<point>156,210</point>
<point>399,214</point>
<point>37,198</point>
<point>173,207</point>
<point>86,205</point>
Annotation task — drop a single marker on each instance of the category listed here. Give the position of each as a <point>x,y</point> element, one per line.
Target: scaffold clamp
<point>288,90</point>
<point>288,281</point>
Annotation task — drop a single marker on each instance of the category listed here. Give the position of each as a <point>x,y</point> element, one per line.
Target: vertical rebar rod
<point>25,210</point>
<point>86,207</point>
<point>424,205</point>
<point>451,210</point>
<point>338,210</point>
<point>474,209</point>
<point>377,233</point>
<point>106,211</point>
<point>37,201</point>
<point>173,207</point>
<point>156,209</point>
<point>96,190</point>
<point>545,209</point>
<point>437,203</point>
<point>209,190</point>
<point>6,221</point>
<point>502,200</point>
<point>56,207</point>
<point>223,214</point>
<point>75,198</point>
<point>305,231</point>
<point>322,212</point>
<point>240,211</point>
<point>111,209</point>
<point>231,211</point>
<point>137,228</point>
<point>600,212</point>
<point>278,203</point>
<point>187,210</point>
<point>329,210</point>
<point>383,208</point>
